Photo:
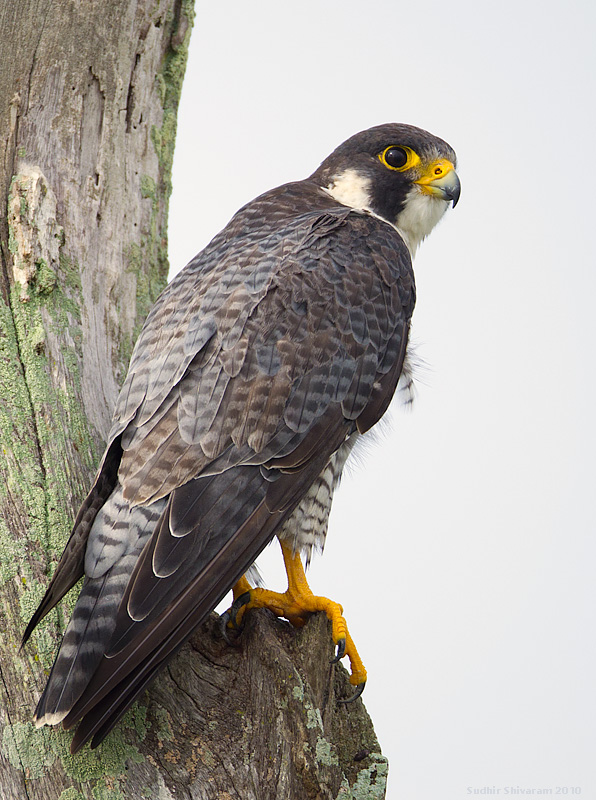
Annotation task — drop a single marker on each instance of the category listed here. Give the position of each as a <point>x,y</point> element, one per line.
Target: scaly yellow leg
<point>296,603</point>
<point>241,588</point>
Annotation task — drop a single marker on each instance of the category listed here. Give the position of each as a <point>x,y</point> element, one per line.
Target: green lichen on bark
<point>163,729</point>
<point>324,753</point>
<point>149,262</point>
<point>148,258</point>
<point>108,792</point>
<point>147,186</point>
<point>23,477</point>
<point>35,749</point>
<point>11,553</point>
<point>371,783</point>
<point>169,83</point>
<point>45,278</point>
<point>57,414</point>
<point>47,446</point>
<point>71,794</point>
<point>28,748</point>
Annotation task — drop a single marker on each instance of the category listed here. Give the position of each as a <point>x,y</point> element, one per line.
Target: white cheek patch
<point>420,215</point>
<point>350,189</point>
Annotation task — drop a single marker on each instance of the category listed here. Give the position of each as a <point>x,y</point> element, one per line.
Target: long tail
<point>94,618</point>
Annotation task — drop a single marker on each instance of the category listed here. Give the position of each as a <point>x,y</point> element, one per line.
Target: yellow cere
<point>435,171</point>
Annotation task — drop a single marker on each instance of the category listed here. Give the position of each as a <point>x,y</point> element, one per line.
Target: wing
<point>256,364</point>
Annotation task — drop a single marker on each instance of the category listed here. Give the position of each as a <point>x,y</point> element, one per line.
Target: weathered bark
<point>88,100</point>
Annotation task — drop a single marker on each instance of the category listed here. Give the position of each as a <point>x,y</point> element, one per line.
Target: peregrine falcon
<point>255,373</point>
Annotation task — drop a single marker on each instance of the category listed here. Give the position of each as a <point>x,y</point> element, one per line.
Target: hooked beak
<point>440,179</point>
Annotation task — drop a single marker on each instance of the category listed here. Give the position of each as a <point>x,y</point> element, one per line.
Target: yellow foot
<point>296,604</point>
<point>241,588</point>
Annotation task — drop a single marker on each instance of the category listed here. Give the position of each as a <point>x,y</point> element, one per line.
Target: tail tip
<point>49,718</point>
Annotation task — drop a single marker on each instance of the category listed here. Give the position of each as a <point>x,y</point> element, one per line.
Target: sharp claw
<point>229,617</point>
<point>223,628</point>
<point>341,651</point>
<point>356,695</point>
<point>240,601</point>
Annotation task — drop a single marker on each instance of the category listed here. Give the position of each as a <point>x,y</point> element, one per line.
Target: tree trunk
<point>88,100</point>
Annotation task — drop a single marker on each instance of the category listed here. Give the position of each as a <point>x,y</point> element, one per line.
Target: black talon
<point>228,618</point>
<point>341,651</point>
<point>240,601</point>
<point>223,628</point>
<point>356,695</point>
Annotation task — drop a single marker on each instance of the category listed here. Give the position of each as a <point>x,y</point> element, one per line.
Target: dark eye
<point>395,157</point>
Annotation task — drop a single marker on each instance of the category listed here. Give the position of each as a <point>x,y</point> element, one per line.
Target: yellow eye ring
<point>399,158</point>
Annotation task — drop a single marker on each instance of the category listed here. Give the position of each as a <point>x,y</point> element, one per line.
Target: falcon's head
<point>400,173</point>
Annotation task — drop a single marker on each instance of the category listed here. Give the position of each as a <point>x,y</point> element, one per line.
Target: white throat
<point>419,216</point>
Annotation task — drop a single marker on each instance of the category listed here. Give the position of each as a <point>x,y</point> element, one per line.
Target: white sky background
<point>463,549</point>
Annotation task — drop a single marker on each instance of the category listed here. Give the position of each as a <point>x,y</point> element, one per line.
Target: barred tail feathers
<point>116,540</point>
